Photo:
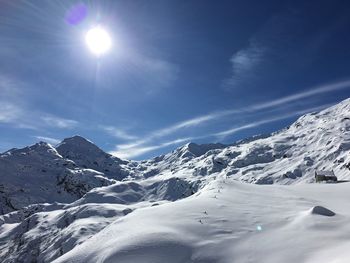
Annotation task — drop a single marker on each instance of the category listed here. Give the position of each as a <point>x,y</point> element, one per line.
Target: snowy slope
<point>226,221</point>
<point>134,217</point>
<point>230,222</point>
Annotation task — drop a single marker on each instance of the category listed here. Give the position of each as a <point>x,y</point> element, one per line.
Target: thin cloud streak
<point>233,130</point>
<point>163,132</point>
<point>204,119</point>
<point>16,112</point>
<point>190,123</point>
<point>10,99</point>
<point>57,122</point>
<point>252,108</point>
<point>301,95</point>
<point>129,151</point>
<point>9,112</point>
<point>118,133</point>
<point>133,150</point>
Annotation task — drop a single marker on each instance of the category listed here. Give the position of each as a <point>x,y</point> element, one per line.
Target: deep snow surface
<point>230,222</point>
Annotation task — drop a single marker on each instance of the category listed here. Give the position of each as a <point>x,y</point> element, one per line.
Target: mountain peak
<point>41,144</point>
<point>76,139</point>
<point>196,150</point>
<point>87,155</point>
<point>78,145</point>
<point>42,147</point>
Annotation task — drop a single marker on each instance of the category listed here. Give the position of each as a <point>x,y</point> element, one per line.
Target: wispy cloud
<point>58,122</point>
<point>14,110</point>
<point>279,48</point>
<point>216,115</point>
<point>137,149</point>
<point>10,104</point>
<point>191,123</point>
<point>200,120</point>
<point>331,87</point>
<point>244,62</point>
<point>156,73</point>
<point>235,129</point>
<point>48,139</point>
<point>147,144</point>
<point>9,112</point>
<point>118,133</point>
<point>142,146</point>
<point>145,74</point>
<point>133,150</point>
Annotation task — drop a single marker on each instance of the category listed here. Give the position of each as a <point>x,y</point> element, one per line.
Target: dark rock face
<point>322,211</point>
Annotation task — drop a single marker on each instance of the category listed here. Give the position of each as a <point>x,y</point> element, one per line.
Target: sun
<point>98,40</point>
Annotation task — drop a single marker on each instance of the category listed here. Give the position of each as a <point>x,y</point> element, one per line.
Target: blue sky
<point>178,71</point>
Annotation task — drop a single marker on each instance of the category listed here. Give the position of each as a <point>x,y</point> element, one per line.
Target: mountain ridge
<point>77,199</point>
<point>321,140</point>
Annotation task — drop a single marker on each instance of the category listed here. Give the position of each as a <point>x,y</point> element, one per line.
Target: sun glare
<point>98,40</point>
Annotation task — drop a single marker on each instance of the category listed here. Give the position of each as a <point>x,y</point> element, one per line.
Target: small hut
<point>321,176</point>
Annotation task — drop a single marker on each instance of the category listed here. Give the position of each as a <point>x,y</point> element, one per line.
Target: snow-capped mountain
<point>39,174</point>
<point>59,211</point>
<point>87,155</point>
<point>316,141</point>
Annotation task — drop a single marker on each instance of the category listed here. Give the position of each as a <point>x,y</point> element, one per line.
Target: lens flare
<point>76,14</point>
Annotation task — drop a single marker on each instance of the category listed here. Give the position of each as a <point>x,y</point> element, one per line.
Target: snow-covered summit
<point>87,155</point>
<point>79,149</point>
<point>78,142</point>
